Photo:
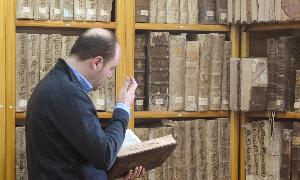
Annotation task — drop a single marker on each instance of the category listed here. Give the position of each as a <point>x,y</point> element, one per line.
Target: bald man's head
<point>95,42</point>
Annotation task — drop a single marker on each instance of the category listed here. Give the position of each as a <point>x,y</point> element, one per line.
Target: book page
<point>130,138</point>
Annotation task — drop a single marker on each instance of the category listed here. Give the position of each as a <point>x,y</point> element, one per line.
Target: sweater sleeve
<point>76,120</point>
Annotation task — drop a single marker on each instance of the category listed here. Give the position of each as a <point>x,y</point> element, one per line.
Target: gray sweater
<point>63,134</point>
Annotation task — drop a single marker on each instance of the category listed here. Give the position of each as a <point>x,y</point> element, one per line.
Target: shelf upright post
<point>243,119</point>
<point>2,90</point>
<point>10,79</point>
<point>234,116</point>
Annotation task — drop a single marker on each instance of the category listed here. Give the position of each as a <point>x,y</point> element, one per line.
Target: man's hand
<point>127,91</point>
<point>132,174</point>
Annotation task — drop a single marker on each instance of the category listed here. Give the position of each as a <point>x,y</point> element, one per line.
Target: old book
<point>168,166</point>
<point>55,10</point>
<point>225,76</point>
<point>67,44</point>
<point>237,11</point>
<point>221,11</point>
<point>223,148</point>
<point>79,10</point>
<point>249,11</point>
<point>24,9</point>
<point>98,98</point>
<point>46,63</point>
<point>142,8</point>
<point>191,76</point>
<point>67,10</point>
<point>264,146</point>
<point>21,61</point>
<point>230,11</point>
<point>153,11</point>
<point>104,10</point>
<point>271,10</point>
<point>297,92</point>
<point>235,90</point>
<point>33,63</point>
<point>261,10</point>
<point>162,11</point>
<point>193,11</point>
<point>21,161</point>
<point>157,72</point>
<point>180,170</point>
<point>91,10</point>
<point>138,154</point>
<point>110,93</point>
<point>41,10</point>
<point>173,11</point>
<point>256,148</point>
<point>290,10</point>
<point>272,55</point>
<point>295,166</point>
<point>56,47</point>
<point>177,49</point>
<point>243,11</point>
<point>254,11</point>
<point>200,158</point>
<point>207,13</point>
<point>249,153</point>
<point>204,71</point>
<point>217,51</point>
<point>285,166</point>
<point>183,12</point>
<point>254,84</point>
<point>277,8</point>
<point>212,160</point>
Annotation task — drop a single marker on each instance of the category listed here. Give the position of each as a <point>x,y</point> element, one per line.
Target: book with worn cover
<point>110,93</point>
<point>55,10</point>
<point>67,10</point>
<point>79,10</point>
<point>21,160</point>
<point>173,11</point>
<point>183,12</point>
<point>142,154</point>
<point>46,63</point>
<point>221,11</point>
<point>207,14</point>
<point>161,11</point>
<point>91,10</point>
<point>24,9</point>
<point>286,154</point>
<point>142,8</point>
<point>235,90</point>
<point>295,166</point>
<point>193,11</point>
<point>104,10</point>
<point>41,10</point>
<point>225,77</point>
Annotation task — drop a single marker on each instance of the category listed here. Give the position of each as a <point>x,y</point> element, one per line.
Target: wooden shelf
<point>104,115</point>
<point>182,27</point>
<point>208,114</point>
<point>272,26</point>
<point>281,115</point>
<point>65,24</point>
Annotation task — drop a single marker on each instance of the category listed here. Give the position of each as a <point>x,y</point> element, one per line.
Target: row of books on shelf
<point>270,83</point>
<point>77,10</point>
<point>182,72</point>
<point>272,150</point>
<point>202,150</point>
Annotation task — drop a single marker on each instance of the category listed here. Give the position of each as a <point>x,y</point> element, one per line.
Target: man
<point>63,135</point>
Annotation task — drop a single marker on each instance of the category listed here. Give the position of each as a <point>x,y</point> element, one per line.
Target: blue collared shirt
<point>87,87</point>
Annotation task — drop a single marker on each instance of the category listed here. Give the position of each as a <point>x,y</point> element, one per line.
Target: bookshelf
<point>125,28</point>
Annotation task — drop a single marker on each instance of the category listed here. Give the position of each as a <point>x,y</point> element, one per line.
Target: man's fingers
<point>128,176</point>
<point>126,83</point>
<point>133,85</point>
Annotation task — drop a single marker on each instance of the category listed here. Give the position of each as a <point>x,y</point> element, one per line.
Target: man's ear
<point>97,62</point>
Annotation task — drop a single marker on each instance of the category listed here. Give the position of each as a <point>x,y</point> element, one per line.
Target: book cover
<point>91,10</point>
<point>24,9</point>
<point>67,10</point>
<point>225,76</point>
<point>153,11</point>
<point>46,63</point>
<point>55,10</point>
<point>104,10</point>
<point>142,8</point>
<point>183,12</point>
<point>41,10</point>
<point>173,11</point>
<point>79,10</point>
<point>193,12</point>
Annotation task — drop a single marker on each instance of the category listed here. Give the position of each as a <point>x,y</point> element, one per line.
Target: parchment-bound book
<point>24,9</point>
<point>55,10</point>
<point>46,63</point>
<point>221,11</point>
<point>207,12</point>
<point>183,13</point>
<point>261,11</point>
<point>225,77</point>
<point>33,63</point>
<point>249,153</point>
<point>254,11</point>
<point>67,10</point>
<point>295,166</point>
<point>56,47</point>
<point>290,10</point>
<point>98,98</point>
<point>223,148</point>
<point>91,10</point>
<point>104,10</point>
<point>110,93</point>
<point>216,68</point>
<point>142,154</point>
<point>237,11</point>
<point>153,11</point>
<point>235,90</point>
<point>191,76</point>
<point>177,51</point>
<point>21,61</point>
<point>256,148</point>
<point>193,11</point>
<point>142,10</point>
<point>264,146</point>
<point>173,12</point>
<point>204,71</point>
<point>297,92</point>
<point>67,44</point>
<point>278,10</point>
<point>286,159</point>
<point>79,10</point>
<point>161,11</point>
<point>41,10</point>
<point>21,160</point>
<point>230,13</point>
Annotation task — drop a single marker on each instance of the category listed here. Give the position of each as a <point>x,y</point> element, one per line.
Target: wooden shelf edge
<point>273,26</point>
<point>105,115</point>
<point>65,24</point>
<point>208,114</point>
<point>280,115</point>
<point>181,27</point>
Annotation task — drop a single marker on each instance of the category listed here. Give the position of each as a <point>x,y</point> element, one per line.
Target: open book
<point>149,154</point>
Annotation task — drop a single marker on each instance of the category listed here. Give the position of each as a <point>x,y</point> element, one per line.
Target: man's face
<point>107,70</point>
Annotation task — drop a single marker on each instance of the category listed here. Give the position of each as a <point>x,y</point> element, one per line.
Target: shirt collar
<point>86,85</point>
